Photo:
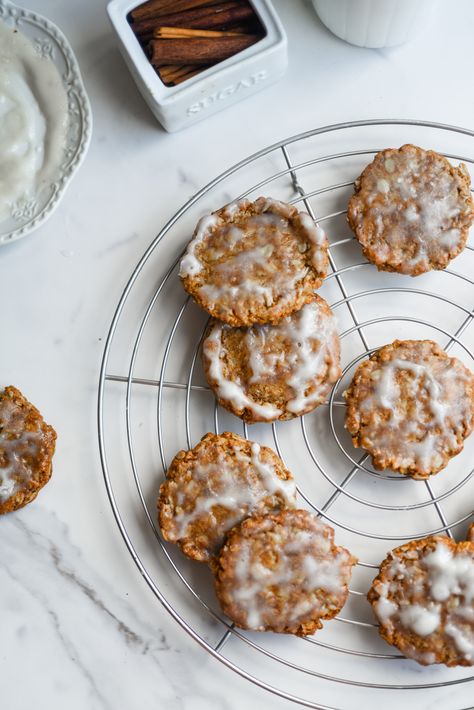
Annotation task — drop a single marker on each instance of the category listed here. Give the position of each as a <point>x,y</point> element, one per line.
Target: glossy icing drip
<point>227,389</point>
<point>311,338</point>
<point>33,120</point>
<point>419,198</point>
<point>190,264</point>
<point>227,489</point>
<point>15,445</point>
<point>308,361</point>
<point>444,602</point>
<point>424,402</point>
<point>260,264</point>
<point>317,569</point>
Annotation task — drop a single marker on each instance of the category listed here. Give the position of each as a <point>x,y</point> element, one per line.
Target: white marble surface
<point>79,628</point>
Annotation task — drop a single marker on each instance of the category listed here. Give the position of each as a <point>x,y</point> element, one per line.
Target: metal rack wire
<point>154,321</point>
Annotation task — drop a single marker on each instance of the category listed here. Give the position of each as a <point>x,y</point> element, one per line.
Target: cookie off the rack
<point>214,486</point>
<point>282,573</point>
<point>411,210</point>
<point>270,372</point>
<point>411,405</point>
<point>254,262</point>
<point>27,446</point>
<point>423,598</point>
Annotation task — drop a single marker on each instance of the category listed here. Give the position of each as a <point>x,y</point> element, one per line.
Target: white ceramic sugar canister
<point>215,87</point>
<point>375,23</point>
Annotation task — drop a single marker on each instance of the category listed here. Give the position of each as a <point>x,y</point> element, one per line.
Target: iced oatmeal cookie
<point>254,262</point>
<point>270,372</point>
<point>214,486</point>
<point>27,446</point>
<point>411,210</point>
<point>411,405</point>
<point>423,598</point>
<point>282,573</point>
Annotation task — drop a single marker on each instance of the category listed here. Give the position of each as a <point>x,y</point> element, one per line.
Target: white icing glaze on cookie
<point>304,362</point>
<point>309,363</point>
<point>412,200</point>
<point>225,488</point>
<point>420,405</point>
<point>449,574</point>
<point>190,264</point>
<point>422,620</point>
<point>317,237</point>
<point>445,410</point>
<point>227,389</point>
<point>260,266</point>
<point>444,593</point>
<point>317,568</point>
<point>14,443</point>
<point>453,575</point>
<point>242,272</point>
<point>384,608</point>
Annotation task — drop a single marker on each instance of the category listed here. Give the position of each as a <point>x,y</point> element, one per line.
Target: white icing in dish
<point>33,120</point>
<point>420,619</point>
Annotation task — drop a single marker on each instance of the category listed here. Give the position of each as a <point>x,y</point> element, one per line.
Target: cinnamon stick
<point>172,75</point>
<point>185,77</point>
<point>198,50</point>
<point>161,7</point>
<point>184,32</point>
<point>223,17</point>
<point>170,72</point>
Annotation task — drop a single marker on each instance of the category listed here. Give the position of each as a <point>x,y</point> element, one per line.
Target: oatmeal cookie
<point>27,446</point>
<point>423,598</point>
<point>411,406</point>
<point>254,262</point>
<point>411,210</point>
<point>270,372</point>
<point>282,572</point>
<point>216,485</point>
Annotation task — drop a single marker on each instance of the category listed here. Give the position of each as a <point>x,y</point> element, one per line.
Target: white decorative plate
<point>50,41</point>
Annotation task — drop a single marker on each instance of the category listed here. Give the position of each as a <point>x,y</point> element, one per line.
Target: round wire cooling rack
<point>153,401</point>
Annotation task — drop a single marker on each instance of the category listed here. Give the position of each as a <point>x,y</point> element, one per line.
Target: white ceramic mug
<point>374,23</point>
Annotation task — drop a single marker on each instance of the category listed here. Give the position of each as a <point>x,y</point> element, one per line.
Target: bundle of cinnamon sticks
<point>184,37</point>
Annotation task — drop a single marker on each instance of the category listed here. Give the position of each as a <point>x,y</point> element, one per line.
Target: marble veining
<point>72,590</point>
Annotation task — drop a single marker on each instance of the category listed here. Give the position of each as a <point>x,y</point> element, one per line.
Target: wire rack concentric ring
<point>153,401</point>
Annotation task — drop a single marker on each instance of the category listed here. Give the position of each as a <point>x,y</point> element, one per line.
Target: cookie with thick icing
<point>282,573</point>
<point>423,598</point>
<point>27,446</point>
<point>254,262</point>
<point>269,372</point>
<point>411,210</point>
<point>217,484</point>
<point>411,405</point>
